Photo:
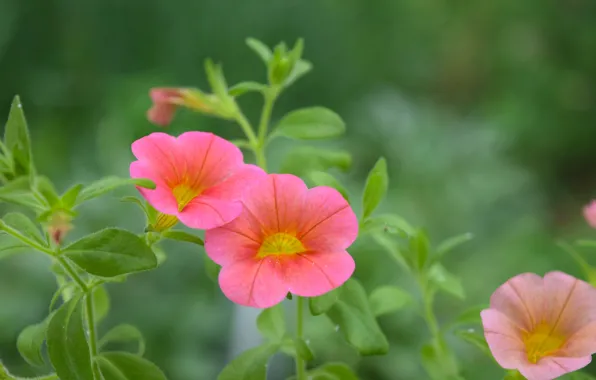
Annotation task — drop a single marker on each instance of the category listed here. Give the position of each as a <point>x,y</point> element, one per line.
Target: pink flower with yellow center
<point>543,327</point>
<point>590,214</point>
<point>199,176</point>
<point>287,239</point>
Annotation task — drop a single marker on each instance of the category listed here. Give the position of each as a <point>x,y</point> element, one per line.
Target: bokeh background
<point>485,110</point>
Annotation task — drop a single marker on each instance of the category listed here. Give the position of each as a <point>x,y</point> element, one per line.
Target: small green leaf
<point>515,375</point>
<point>318,178</point>
<point>389,223</point>
<point>301,68</point>
<point>107,184</point>
<point>244,87</point>
<point>356,321</point>
<point>321,304</point>
<point>570,376</point>
<point>387,299</point>
<point>392,247</point>
<point>250,365</point>
<point>470,316</point>
<point>18,191</point>
<point>216,79</point>
<point>211,268</point>
<point>446,281</point>
<point>30,341</point>
<point>10,245</point>
<point>303,350</point>
<point>312,123</point>
<point>126,366</point>
<point>589,271</point>
<point>111,252</point>
<point>101,303</point>
<point>260,48</point>
<point>124,333</point>
<point>69,198</point>
<point>182,236</point>
<point>420,246</point>
<point>304,159</point>
<point>475,338</point>
<point>431,361</point>
<point>16,138</point>
<point>67,344</point>
<point>46,188</point>
<point>25,226</point>
<point>375,187</point>
<point>271,323</point>
<point>449,244</point>
<point>333,371</point>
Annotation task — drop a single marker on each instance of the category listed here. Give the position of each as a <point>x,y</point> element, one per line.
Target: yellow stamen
<point>542,342</point>
<point>280,243</point>
<point>184,194</point>
<point>164,222</point>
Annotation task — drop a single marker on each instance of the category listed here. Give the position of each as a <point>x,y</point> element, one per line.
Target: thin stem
<point>300,365</point>
<point>73,274</point>
<point>31,243</point>
<point>270,97</point>
<point>247,128</point>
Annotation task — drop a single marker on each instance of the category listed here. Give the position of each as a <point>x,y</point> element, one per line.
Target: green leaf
<point>515,375</point>
<point>69,198</point>
<point>271,323</point>
<point>16,138</point>
<point>571,376</point>
<point>431,361</point>
<point>250,365</point>
<point>389,223</point>
<point>387,299</point>
<point>301,68</point>
<point>30,342</point>
<point>260,48</point>
<point>216,79</point>
<point>586,243</point>
<point>10,245</point>
<point>101,303</point>
<point>446,281</point>
<point>420,246</point>
<point>303,350</point>
<point>304,159</point>
<point>313,123</point>
<point>182,236</point>
<point>333,371</point>
<point>25,226</point>
<point>126,366</point>
<point>392,247</point>
<point>67,344</point>
<point>244,87</point>
<point>356,321</point>
<point>475,338</point>
<point>124,333</point>
<point>375,187</point>
<point>111,252</point>
<point>46,188</point>
<point>321,304</point>
<point>318,178</point>
<point>470,316</point>
<point>449,244</point>
<point>18,191</point>
<point>107,184</point>
<point>589,271</point>
<point>211,268</point>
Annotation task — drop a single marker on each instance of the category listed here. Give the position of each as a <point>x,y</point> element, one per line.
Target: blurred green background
<point>485,110</point>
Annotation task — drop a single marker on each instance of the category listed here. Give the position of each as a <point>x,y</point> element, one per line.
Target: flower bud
<point>58,226</point>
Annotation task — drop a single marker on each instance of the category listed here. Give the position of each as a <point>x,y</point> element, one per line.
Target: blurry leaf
<point>321,304</point>
<point>470,316</point>
<point>449,244</point>
<point>107,184</point>
<point>69,198</point>
<point>375,188</point>
<point>160,254</point>
<point>446,281</point>
<point>300,69</point>
<point>216,79</point>
<point>303,350</point>
<point>318,178</point>
<point>392,247</point>
<point>18,191</point>
<point>431,362</point>
<point>211,268</point>
<point>305,159</point>
<point>389,223</point>
<point>475,338</point>
<point>101,303</point>
<point>244,87</point>
<point>250,365</point>
<point>356,321</point>
<point>288,347</point>
<point>586,243</point>
<point>260,48</point>
<point>515,375</point>
<point>241,143</point>
<point>136,201</point>
<point>333,371</point>
<point>570,376</point>
<point>420,246</point>
<point>588,270</point>
<point>25,226</point>
<point>66,291</point>
<point>124,333</point>
<point>10,245</point>
<point>312,123</point>
<point>111,252</point>
<point>46,188</point>
<point>125,366</point>
<point>67,344</point>
<point>387,299</point>
<point>16,138</point>
<point>30,342</point>
<point>183,236</point>
<point>271,323</point>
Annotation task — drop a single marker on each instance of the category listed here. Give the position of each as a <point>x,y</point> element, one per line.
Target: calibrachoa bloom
<point>287,239</point>
<point>199,176</point>
<point>543,327</point>
<point>590,214</point>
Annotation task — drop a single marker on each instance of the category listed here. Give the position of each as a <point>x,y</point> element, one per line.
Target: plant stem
<point>270,96</point>
<point>300,365</point>
<point>255,145</point>
<point>31,243</point>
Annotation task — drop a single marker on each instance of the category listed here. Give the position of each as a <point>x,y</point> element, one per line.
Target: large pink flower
<point>590,214</point>
<point>199,176</point>
<point>287,239</point>
<point>543,327</point>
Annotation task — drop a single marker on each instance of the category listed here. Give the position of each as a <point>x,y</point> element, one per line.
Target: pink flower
<point>590,214</point>
<point>199,176</point>
<point>165,101</point>
<point>287,239</point>
<point>543,327</point>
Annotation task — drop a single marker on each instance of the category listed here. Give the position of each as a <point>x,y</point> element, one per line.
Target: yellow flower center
<point>542,342</point>
<point>164,222</point>
<point>280,243</point>
<point>184,194</point>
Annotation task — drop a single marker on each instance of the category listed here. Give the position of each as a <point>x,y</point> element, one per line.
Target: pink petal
<point>204,212</point>
<point>161,114</point>
<point>582,343</point>
<point>329,223</point>
<point>233,187</point>
<point>161,198</point>
<point>208,159</point>
<point>255,283</point>
<point>312,274</point>
<point>503,338</point>
<point>521,299</point>
<point>590,214</point>
<point>276,202</point>
<point>550,367</point>
<point>160,154</point>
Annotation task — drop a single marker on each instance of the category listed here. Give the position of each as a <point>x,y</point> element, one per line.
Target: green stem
<point>247,128</point>
<point>300,365</point>
<point>270,97</point>
<point>31,243</point>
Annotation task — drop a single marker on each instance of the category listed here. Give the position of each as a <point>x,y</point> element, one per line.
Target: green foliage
<point>333,371</point>
<point>108,184</point>
<point>271,323</point>
<point>126,366</point>
<point>250,365</point>
<point>474,337</point>
<point>312,123</point>
<point>322,304</point>
<point>182,236</point>
<point>387,299</point>
<point>22,224</point>
<point>446,281</point>
<point>17,141</point>
<point>101,302</point>
<point>124,333</point>
<point>30,342</point>
<point>318,178</point>
<point>304,159</point>
<point>375,188</point>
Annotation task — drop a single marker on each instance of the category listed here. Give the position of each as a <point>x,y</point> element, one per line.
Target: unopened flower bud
<point>58,226</point>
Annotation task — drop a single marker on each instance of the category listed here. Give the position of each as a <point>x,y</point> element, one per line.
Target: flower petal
<point>582,343</point>
<point>159,153</point>
<point>550,368</point>
<point>205,212</point>
<point>255,283</point>
<point>312,274</point>
<point>161,198</point>
<point>328,222</point>
<point>503,338</point>
<point>521,299</point>
<point>234,186</point>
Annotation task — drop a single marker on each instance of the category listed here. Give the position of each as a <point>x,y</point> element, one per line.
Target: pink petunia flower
<point>287,239</point>
<point>590,214</point>
<point>199,176</point>
<point>543,327</point>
